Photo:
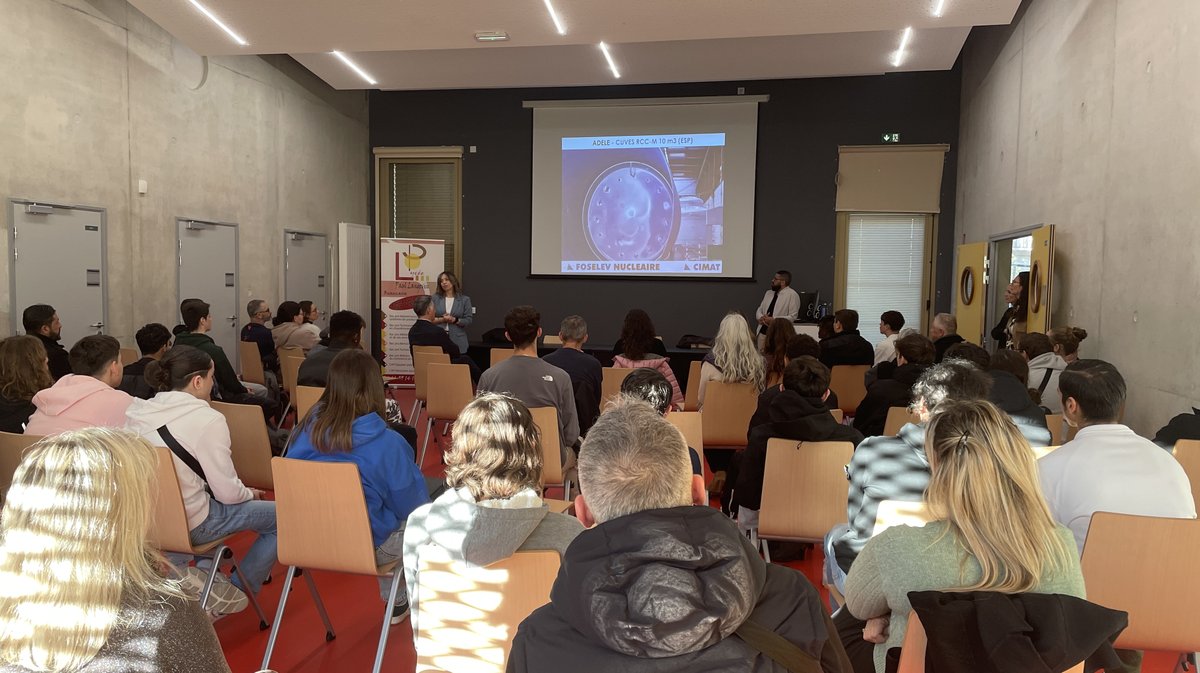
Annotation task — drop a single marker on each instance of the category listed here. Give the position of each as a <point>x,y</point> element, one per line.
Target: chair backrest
<point>610,384</point>
<point>804,489</point>
<point>691,425</point>
<point>250,444</point>
<point>1146,566</point>
<point>837,415</point>
<point>321,516</point>
<point>252,366</point>
<point>916,642</point>
<point>12,450</point>
<point>467,615</point>
<point>290,360</point>
<point>551,340</point>
<point>691,396</point>
<point>546,419</point>
<point>306,397</point>
<point>1042,451</point>
<point>1187,452</point>
<point>897,417</point>
<point>448,391</point>
<point>1054,422</point>
<point>427,349</point>
<point>422,360</point>
<point>900,513</point>
<point>500,355</point>
<point>848,382</point>
<point>169,532</point>
<point>129,355</point>
<point>727,411</point>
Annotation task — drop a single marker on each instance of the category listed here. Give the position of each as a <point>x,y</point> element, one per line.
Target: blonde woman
<point>734,357</point>
<point>983,477</point>
<point>491,507</point>
<point>82,591</point>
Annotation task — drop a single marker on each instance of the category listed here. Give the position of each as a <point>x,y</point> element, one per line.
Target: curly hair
<point>496,450</point>
<point>735,352</point>
<point>637,334</point>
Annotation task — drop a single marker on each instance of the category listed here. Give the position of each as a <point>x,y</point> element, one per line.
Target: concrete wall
<point>1086,114</point>
<point>97,97</point>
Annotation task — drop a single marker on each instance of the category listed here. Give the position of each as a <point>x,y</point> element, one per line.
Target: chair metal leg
<point>387,618</point>
<point>287,587</point>
<point>425,442</point>
<point>283,416</point>
<point>567,489</point>
<point>413,415</point>
<point>766,549</point>
<point>212,575</point>
<point>262,618</point>
<point>312,589</point>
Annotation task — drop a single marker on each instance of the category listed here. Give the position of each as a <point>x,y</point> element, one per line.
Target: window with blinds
<point>886,263</point>
<point>422,201</point>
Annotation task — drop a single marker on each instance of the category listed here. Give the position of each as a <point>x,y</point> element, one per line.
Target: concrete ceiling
<point>429,44</point>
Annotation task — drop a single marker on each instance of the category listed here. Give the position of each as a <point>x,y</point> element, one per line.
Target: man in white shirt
<point>781,301</point>
<point>1107,468</point>
<point>890,324</point>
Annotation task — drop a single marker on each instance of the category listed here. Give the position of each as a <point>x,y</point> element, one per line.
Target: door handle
<point>98,326</point>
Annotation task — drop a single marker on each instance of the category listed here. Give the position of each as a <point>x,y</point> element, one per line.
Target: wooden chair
<point>848,383</point>
<point>449,392</point>
<point>691,396</point>
<point>129,356</point>
<point>467,615</point>
<point>837,415</point>
<point>1054,422</point>
<point>421,361</point>
<point>251,360</point>
<point>290,360</point>
<point>1042,451</point>
<point>691,425</point>
<point>1187,452</point>
<point>610,384</point>
<point>546,419</point>
<point>727,411</point>
<point>897,417</point>
<point>551,340</point>
<point>558,506</point>
<point>499,355</point>
<point>170,533</point>
<point>306,397</point>
<point>427,349</point>
<point>916,642</point>
<point>804,490</point>
<point>12,450</point>
<point>322,525</point>
<point>900,513</point>
<point>1146,566</point>
<point>250,445</point>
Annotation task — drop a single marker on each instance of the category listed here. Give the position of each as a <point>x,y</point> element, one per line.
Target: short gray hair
<point>633,460</point>
<point>946,321</point>
<point>573,328</point>
<point>252,307</point>
<point>421,304</point>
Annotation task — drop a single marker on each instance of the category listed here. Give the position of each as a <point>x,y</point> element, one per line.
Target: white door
<point>306,270</point>
<point>208,270</point>
<point>58,259</point>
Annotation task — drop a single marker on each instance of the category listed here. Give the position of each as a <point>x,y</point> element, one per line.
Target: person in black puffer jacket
<point>1010,392</point>
<point>914,354</point>
<point>846,346</point>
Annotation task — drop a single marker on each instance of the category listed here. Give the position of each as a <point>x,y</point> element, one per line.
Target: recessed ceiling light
<point>213,17</point>
<point>491,36</point>
<point>608,57</point>
<point>900,54</point>
<point>939,8</point>
<point>353,66</point>
<point>554,17</point>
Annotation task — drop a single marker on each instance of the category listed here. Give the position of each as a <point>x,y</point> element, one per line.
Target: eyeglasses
<point>266,311</point>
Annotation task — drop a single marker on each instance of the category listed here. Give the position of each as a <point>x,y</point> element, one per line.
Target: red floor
<point>357,611</point>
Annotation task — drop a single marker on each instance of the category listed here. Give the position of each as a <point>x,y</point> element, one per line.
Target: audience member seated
<point>217,502</point>
<point>943,331</point>
<point>651,387</point>
<point>533,381</point>
<point>825,327</point>
<point>797,413</point>
<point>890,324</point>
<point>656,584</point>
<point>914,354</point>
<point>983,480</point>
<point>779,332</point>
<point>492,507</point>
<point>425,333</point>
<point>257,331</point>
<point>286,330</point>
<point>347,426</point>
<point>1011,328</point>
<point>896,468</point>
<point>41,321</point>
<point>1065,341</point>
<point>89,596</point>
<point>229,387</point>
<point>345,333</point>
<point>734,357</point>
<point>846,346</point>
<point>1183,426</point>
<point>587,376</point>
<point>638,347</point>
<point>23,373</point>
<point>798,346</point>
<point>1045,367</point>
<point>311,314</point>
<point>1107,467</point>
<point>1010,389</point>
<point>1031,424</point>
<point>87,398</point>
<point>153,340</point>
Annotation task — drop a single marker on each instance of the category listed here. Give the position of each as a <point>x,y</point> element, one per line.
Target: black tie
<point>762,329</point>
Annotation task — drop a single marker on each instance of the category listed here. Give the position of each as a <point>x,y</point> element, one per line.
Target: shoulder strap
<point>1045,381</point>
<point>780,650</point>
<point>183,455</point>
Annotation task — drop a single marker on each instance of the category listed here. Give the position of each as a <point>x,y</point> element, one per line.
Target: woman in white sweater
<point>216,500</point>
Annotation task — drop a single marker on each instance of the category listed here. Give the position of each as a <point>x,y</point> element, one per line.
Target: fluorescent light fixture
<point>491,36</point>
<point>899,55</point>
<point>554,17</point>
<point>353,66</point>
<point>213,17</point>
<point>939,8</point>
<point>608,57</point>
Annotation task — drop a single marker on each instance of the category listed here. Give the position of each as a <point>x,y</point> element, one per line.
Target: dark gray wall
<point>799,131</point>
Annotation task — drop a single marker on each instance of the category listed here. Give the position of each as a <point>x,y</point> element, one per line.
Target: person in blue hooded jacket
<point>347,425</point>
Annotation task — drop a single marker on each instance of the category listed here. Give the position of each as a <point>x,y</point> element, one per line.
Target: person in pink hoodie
<point>88,398</point>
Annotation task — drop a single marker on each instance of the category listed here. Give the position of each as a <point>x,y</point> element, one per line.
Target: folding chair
<point>500,355</point>
<point>421,360</point>
<point>897,417</point>
<point>553,474</point>
<point>691,395</point>
<point>290,360</point>
<point>129,355</point>
<point>900,513</point>
<point>848,383</point>
<point>306,397</point>
<point>691,425</point>
<point>804,491</point>
<point>551,340</point>
<point>726,415</point>
<point>1187,452</point>
<point>610,384</point>
<point>12,450</point>
<point>252,366</point>
<point>449,392</point>
<point>250,445</point>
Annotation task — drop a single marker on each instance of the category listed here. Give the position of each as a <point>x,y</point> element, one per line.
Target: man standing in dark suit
<point>425,333</point>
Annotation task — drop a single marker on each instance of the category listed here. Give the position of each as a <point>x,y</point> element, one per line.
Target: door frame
<point>993,283</point>
<point>329,305</point>
<point>15,311</point>
<point>237,270</point>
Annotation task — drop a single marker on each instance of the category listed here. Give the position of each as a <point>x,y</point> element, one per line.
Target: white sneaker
<point>399,613</point>
<point>224,597</point>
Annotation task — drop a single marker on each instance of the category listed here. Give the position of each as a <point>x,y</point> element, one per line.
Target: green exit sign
<point>891,137</point>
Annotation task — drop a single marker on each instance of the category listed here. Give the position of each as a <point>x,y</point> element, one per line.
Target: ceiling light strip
<point>213,17</point>
<point>900,54</point>
<point>353,66</point>
<point>562,30</point>
<point>608,57</point>
<point>939,8</point>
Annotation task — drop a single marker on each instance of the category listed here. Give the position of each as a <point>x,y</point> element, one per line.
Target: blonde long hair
<point>984,484</point>
<point>74,543</point>
<point>735,352</point>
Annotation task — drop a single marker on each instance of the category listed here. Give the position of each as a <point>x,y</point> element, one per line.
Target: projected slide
<point>643,204</point>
